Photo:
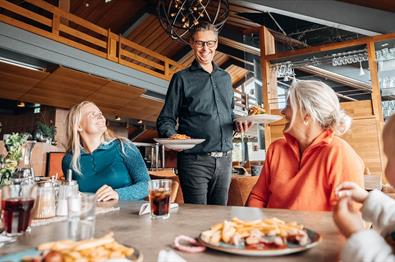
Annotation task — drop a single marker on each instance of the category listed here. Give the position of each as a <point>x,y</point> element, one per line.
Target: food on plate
<point>179,137</point>
<point>260,234</point>
<point>256,110</point>
<point>99,249</point>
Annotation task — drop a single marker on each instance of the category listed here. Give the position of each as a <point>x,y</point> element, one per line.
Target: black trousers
<point>204,179</point>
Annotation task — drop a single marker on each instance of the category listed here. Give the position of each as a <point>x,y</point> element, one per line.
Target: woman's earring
<point>305,122</point>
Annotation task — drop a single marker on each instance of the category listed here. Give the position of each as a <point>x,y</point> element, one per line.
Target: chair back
<point>54,164</point>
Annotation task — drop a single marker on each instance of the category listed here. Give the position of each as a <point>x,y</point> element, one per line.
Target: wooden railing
<point>74,31</point>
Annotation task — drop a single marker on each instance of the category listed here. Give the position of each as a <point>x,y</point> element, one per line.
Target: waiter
<point>201,99</point>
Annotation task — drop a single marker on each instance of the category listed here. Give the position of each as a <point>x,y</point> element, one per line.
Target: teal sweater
<point>108,165</point>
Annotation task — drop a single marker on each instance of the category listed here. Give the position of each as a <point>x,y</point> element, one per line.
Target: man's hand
<point>352,190</point>
<point>348,220</point>
<point>242,126</point>
<point>106,193</point>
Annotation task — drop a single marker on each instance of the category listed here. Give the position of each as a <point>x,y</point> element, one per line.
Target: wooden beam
<point>269,80</point>
<point>319,48</point>
<point>239,46</point>
<point>65,6</point>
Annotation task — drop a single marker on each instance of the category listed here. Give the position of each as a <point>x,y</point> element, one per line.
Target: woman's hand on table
<point>106,193</point>
<point>352,190</point>
<point>347,219</point>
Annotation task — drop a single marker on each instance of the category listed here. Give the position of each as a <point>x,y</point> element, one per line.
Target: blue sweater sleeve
<point>138,172</point>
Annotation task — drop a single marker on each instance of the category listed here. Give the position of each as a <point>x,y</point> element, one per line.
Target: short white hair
<point>320,102</point>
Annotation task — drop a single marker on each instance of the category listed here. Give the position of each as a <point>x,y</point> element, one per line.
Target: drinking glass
<point>82,215</point>
<point>159,197</point>
<point>17,203</point>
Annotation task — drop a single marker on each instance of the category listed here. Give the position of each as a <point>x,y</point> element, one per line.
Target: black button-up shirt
<point>203,104</point>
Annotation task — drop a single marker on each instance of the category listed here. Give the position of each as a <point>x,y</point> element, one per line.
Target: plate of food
<point>257,114</point>
<point>267,237</point>
<point>96,249</point>
<point>179,142</point>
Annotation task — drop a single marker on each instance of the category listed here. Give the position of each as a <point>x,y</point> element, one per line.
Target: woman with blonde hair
<point>303,168</point>
<point>101,163</point>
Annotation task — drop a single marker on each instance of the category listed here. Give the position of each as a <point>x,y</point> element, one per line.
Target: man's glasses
<point>200,44</point>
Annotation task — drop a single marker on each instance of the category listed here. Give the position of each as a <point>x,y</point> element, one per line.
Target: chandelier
<point>179,17</point>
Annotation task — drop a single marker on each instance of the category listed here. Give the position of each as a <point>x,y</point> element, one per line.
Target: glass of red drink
<point>159,197</point>
<point>17,203</point>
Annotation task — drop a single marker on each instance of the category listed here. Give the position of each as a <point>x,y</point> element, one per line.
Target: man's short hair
<point>204,26</point>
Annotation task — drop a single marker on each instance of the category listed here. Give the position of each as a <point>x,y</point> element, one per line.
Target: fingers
<point>342,205</point>
<point>106,193</point>
<point>346,185</point>
<point>243,126</point>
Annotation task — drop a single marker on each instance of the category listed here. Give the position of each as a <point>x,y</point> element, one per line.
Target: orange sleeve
<point>259,195</point>
<point>346,166</point>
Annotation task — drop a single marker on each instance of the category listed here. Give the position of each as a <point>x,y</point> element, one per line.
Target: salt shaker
<point>67,189</point>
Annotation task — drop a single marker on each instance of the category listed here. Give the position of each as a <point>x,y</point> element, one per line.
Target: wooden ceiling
<point>66,87</point>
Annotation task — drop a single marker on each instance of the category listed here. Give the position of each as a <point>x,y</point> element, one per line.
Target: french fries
<point>180,137</point>
<point>256,110</point>
<point>271,232</point>
<point>99,249</point>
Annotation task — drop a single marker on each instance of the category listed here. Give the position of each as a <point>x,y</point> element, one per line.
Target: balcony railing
<point>54,23</point>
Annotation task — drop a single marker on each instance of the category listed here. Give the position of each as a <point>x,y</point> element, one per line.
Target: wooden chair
<point>240,188</point>
<point>54,164</point>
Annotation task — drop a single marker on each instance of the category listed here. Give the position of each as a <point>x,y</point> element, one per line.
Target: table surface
<point>150,236</point>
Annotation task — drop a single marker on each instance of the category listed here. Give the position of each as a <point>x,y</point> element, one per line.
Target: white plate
<point>261,119</point>
<point>179,144</point>
<point>315,239</point>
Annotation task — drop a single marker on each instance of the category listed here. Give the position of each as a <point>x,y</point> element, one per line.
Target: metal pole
<point>156,156</point>
<point>163,157</point>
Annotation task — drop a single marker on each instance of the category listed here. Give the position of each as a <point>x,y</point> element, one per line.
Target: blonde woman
<point>101,163</point>
<point>302,169</point>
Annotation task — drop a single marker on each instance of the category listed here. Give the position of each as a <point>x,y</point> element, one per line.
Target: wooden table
<point>150,236</point>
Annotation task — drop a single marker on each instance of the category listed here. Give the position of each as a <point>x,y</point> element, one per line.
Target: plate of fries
<point>179,144</point>
<point>267,237</point>
<point>96,249</point>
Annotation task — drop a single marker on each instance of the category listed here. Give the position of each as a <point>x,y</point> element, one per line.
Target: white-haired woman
<point>101,163</point>
<point>303,168</point>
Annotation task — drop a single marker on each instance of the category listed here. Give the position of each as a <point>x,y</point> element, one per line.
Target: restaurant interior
<point>121,55</point>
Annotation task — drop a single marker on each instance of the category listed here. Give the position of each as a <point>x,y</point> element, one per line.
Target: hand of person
<point>106,193</point>
<point>352,190</point>
<point>347,219</point>
<point>242,126</point>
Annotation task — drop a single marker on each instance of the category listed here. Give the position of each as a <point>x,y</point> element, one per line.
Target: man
<point>201,99</point>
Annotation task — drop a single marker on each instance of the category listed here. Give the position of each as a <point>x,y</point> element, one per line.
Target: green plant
<point>9,163</point>
<point>48,131</point>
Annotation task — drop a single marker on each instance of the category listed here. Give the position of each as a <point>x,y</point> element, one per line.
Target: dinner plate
<point>179,144</point>
<point>260,119</point>
<point>137,256</point>
<point>291,248</point>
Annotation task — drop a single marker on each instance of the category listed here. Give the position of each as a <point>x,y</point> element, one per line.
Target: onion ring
<point>195,246</point>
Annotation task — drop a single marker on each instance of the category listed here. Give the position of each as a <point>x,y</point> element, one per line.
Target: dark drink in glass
<point>17,215</point>
<point>160,201</point>
<point>159,196</point>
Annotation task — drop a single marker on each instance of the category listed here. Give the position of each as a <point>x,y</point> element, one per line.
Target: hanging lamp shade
<point>179,17</point>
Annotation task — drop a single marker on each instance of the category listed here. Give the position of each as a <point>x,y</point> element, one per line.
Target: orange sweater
<point>306,182</point>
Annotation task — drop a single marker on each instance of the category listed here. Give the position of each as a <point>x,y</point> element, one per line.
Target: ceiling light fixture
<point>140,122</point>
<point>179,17</point>
<point>118,118</point>
<point>21,64</point>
